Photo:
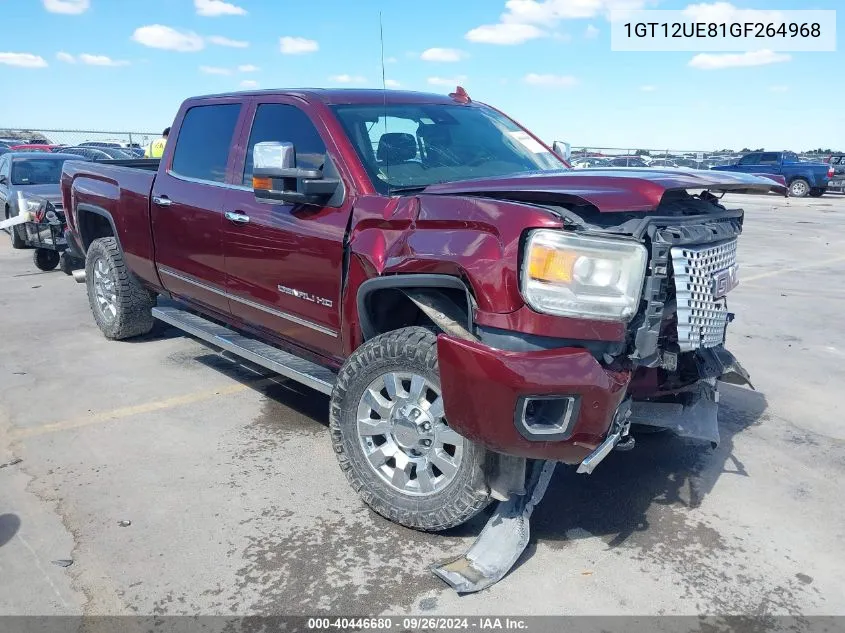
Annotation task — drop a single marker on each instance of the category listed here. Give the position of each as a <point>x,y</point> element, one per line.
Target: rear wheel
<point>69,263</point>
<point>817,193</point>
<point>122,307</point>
<point>393,441</point>
<point>45,259</point>
<point>799,188</point>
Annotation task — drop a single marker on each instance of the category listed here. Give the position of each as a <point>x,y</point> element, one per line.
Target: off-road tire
<point>44,259</point>
<point>817,192</point>
<point>799,188</point>
<point>134,302</point>
<point>411,349</point>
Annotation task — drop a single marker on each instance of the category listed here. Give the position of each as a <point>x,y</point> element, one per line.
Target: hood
<point>51,193</point>
<point>609,190</point>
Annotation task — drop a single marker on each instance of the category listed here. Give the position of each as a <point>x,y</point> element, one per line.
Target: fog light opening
<point>546,418</point>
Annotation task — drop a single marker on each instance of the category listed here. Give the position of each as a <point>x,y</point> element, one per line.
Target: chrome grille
<point>701,317</point>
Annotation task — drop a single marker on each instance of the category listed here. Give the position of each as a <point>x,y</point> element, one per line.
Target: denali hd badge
<point>299,294</point>
<point>724,281</point>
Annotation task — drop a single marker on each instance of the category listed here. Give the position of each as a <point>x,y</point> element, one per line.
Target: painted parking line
<point>125,412</point>
<point>792,269</point>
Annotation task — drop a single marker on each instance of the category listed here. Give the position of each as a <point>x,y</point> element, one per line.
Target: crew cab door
<point>284,261</point>
<point>186,204</point>
<point>748,164</point>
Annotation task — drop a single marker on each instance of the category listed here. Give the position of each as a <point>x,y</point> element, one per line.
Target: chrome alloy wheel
<point>104,289</point>
<point>404,435</point>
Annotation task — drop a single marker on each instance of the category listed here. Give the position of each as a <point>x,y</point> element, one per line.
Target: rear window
<point>204,140</point>
<point>37,172</point>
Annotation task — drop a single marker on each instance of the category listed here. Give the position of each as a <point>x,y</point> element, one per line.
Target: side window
<point>285,124</point>
<point>751,159</point>
<point>204,140</point>
<point>770,158</point>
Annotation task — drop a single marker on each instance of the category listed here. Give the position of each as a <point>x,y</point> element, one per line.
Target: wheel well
<point>794,178</point>
<point>93,226</point>
<point>390,308</point>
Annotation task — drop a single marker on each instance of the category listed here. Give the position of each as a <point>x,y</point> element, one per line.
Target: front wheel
<point>18,235</point>
<point>122,307</point>
<point>392,439</point>
<point>799,188</point>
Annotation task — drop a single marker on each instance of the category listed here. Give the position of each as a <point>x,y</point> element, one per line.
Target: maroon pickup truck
<point>472,306</point>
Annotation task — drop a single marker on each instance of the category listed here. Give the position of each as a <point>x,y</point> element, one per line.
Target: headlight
<point>28,204</point>
<point>573,275</point>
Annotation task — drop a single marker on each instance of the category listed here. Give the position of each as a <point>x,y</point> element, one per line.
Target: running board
<point>253,350</point>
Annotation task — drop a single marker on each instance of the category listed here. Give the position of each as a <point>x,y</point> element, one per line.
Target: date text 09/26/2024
<point>421,623</point>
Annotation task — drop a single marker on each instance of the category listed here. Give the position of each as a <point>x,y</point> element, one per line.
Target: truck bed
<point>118,189</point>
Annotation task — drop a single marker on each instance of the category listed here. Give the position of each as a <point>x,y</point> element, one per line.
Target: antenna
<point>384,94</point>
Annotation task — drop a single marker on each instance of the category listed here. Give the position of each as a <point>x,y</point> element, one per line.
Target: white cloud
<point>101,60</point>
<point>65,57</point>
<point>725,12</point>
<point>219,40</point>
<point>504,34</point>
<point>447,81</point>
<point>591,32</point>
<point>297,45</point>
<point>215,70</point>
<point>442,55</point>
<point>648,88</point>
<point>167,38</point>
<point>390,60</point>
<point>779,88</point>
<point>392,83</point>
<point>710,61</point>
<point>348,79</point>
<point>550,81</point>
<point>525,20</point>
<point>248,68</point>
<point>24,60</point>
<point>249,83</point>
<point>214,8</point>
<point>69,7</point>
<point>552,11</point>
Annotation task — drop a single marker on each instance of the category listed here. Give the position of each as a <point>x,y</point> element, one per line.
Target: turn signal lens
<point>262,183</point>
<point>552,265</point>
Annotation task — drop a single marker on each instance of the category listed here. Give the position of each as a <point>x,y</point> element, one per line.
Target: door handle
<point>162,201</point>
<point>237,218</point>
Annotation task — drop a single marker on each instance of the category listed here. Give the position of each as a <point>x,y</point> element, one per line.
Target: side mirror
<point>564,150</point>
<point>4,180</point>
<point>276,177</point>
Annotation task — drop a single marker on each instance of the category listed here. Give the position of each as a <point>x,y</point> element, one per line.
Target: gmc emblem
<point>724,281</point>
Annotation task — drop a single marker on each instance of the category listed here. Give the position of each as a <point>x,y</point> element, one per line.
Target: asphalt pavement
<point>159,478</point>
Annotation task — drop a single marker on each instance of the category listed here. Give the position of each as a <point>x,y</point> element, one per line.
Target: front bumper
<point>483,389</point>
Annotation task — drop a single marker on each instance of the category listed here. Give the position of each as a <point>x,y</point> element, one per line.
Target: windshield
<point>415,146</point>
<point>37,172</point>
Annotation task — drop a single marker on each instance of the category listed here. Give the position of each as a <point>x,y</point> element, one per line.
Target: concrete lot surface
<point>237,505</point>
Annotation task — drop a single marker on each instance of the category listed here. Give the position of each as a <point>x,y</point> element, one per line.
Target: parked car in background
<point>837,182</point>
<point>802,178</point>
<point>99,153</point>
<point>32,147</point>
<point>627,161</point>
<point>26,180</point>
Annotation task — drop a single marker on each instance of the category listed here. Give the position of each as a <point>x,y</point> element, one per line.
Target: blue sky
<point>127,64</point>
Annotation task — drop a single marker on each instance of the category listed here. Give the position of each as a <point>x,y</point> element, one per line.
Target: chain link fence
<point>76,138</point>
<point>583,156</point>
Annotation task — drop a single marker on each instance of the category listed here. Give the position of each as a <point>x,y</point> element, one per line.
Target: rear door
<point>770,163</point>
<point>187,204</point>
<point>284,261</point>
